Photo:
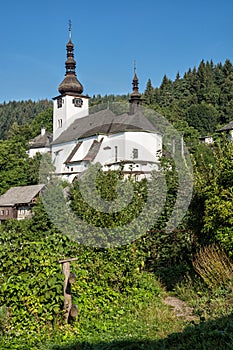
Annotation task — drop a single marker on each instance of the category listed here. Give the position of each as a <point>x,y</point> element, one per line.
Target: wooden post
<point>69,279</point>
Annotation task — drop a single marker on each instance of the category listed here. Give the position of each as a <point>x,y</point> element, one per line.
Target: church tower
<point>135,98</point>
<point>71,104</point>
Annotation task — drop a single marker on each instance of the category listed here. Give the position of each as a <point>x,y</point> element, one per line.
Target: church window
<point>135,153</point>
<point>60,123</point>
<point>116,153</point>
<point>59,102</point>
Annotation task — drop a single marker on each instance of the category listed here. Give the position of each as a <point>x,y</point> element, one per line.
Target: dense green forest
<point>203,96</point>
<point>120,291</point>
<point>19,112</point>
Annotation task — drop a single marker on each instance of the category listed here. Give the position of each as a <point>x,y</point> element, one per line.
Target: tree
<point>43,119</point>
<point>213,196</point>
<point>202,117</point>
<point>13,164</point>
<point>149,93</point>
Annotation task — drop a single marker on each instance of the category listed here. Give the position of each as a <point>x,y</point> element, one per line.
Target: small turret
<point>135,98</point>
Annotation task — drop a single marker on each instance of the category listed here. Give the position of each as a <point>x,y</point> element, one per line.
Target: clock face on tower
<point>78,102</point>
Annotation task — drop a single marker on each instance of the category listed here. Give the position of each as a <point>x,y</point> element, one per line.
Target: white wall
<point>60,153</point>
<point>146,143</point>
<point>33,151</point>
<point>67,113</point>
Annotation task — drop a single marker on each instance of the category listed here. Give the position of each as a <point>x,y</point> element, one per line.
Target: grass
<point>141,320</point>
<point>140,316</point>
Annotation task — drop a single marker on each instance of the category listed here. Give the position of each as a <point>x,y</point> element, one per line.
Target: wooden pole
<point>69,278</point>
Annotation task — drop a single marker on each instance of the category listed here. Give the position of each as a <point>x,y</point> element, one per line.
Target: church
<point>115,139</point>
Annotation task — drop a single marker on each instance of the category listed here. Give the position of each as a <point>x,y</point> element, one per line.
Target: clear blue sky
<point>164,36</point>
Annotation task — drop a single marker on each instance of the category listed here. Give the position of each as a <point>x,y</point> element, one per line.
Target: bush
<point>214,266</point>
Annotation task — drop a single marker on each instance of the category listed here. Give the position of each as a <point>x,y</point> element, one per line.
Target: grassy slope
<point>140,321</point>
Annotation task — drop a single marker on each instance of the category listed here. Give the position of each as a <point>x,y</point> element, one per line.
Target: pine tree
<point>149,93</point>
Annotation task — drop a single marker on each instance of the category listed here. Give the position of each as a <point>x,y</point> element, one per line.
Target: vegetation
<point>120,291</point>
<point>19,112</point>
<point>202,97</point>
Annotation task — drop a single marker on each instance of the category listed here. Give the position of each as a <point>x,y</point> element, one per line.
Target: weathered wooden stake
<point>69,279</point>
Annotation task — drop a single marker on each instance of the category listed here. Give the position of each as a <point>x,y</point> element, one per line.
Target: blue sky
<point>164,37</point>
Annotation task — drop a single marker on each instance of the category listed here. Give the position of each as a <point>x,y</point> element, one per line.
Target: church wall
<point>147,144</point>
<point>112,149</point>
<point>65,110</point>
<point>129,146</point>
<point>60,152</point>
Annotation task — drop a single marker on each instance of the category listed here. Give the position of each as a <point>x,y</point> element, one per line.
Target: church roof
<point>227,127</point>
<point>74,150</point>
<point>93,150</point>
<point>20,195</point>
<point>105,122</point>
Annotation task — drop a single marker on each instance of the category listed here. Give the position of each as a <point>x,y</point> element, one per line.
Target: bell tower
<point>71,103</point>
<point>135,98</point>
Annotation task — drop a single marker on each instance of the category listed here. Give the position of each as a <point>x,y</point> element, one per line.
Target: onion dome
<point>135,94</point>
<point>70,82</point>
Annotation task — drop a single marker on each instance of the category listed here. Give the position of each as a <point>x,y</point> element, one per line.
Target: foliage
<point>117,293</point>
<point>98,99</point>
<point>43,119</point>
<point>202,97</point>
<point>19,112</point>
<point>213,196</point>
<point>31,276</point>
<point>13,164</point>
<point>214,267</point>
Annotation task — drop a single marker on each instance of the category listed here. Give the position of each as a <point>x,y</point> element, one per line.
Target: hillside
<point>121,291</point>
<point>203,96</point>
<point>19,112</point>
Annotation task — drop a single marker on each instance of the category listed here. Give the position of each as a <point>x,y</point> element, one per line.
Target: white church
<point>81,136</point>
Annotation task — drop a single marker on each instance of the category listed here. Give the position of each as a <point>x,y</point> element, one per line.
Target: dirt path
<point>180,308</point>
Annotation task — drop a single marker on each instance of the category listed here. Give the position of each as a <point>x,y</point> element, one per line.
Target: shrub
<point>214,266</point>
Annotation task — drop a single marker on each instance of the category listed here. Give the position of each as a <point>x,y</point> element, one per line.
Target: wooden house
<point>17,202</point>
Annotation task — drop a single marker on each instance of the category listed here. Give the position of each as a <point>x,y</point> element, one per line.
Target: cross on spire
<point>70,29</point>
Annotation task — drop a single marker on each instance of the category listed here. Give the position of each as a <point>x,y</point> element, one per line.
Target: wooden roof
<point>20,195</point>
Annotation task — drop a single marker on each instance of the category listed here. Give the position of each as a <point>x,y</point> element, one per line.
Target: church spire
<point>70,84</point>
<point>135,98</point>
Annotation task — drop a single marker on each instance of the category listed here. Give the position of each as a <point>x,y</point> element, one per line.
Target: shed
<point>17,202</point>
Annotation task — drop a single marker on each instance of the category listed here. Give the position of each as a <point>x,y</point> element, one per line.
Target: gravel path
<point>180,308</point>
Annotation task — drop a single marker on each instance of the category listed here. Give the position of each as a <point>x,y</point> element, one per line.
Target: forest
<point>121,291</point>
